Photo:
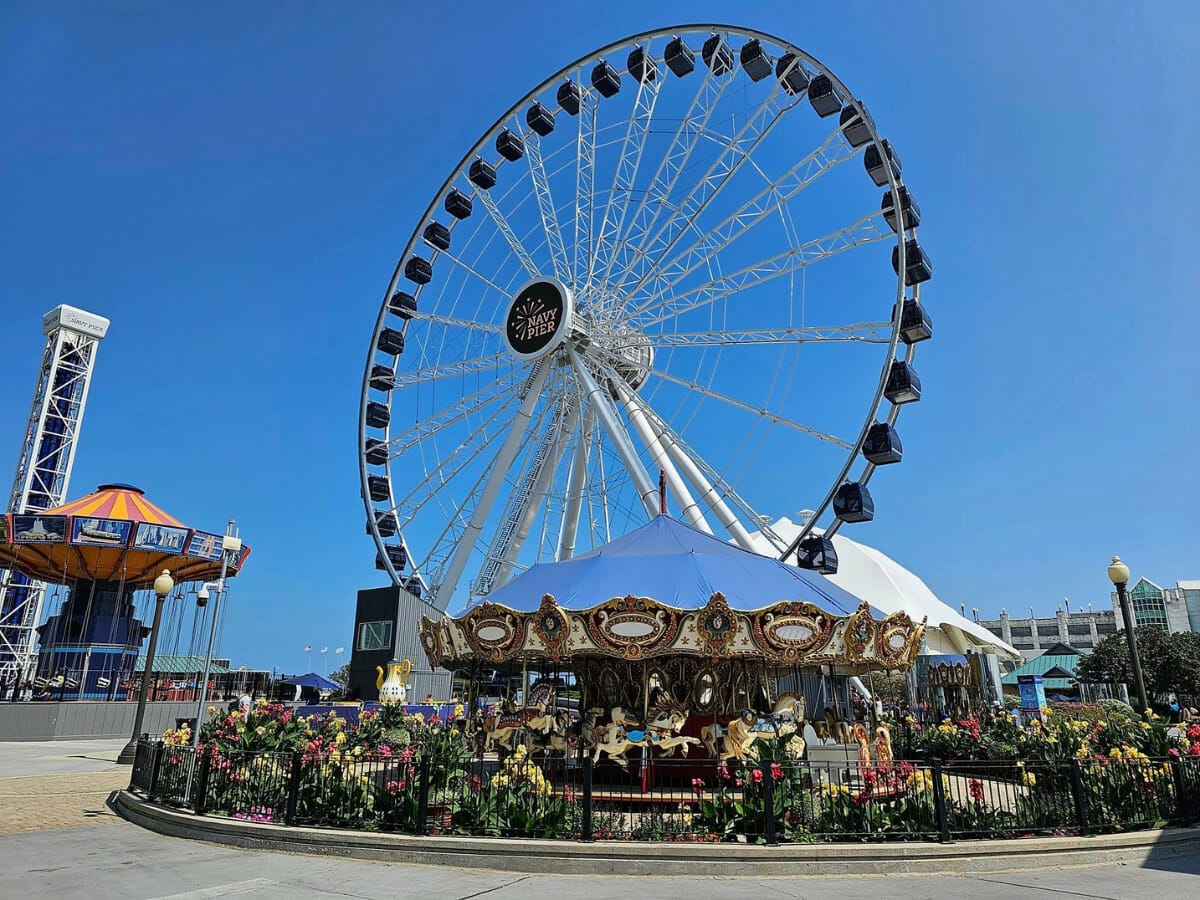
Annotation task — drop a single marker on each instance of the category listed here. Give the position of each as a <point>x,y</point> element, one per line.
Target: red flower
<point>1172,752</point>
<point>776,771</point>
<point>757,775</point>
<point>1193,732</point>
<point>975,789</point>
<point>723,770</point>
<point>698,785</point>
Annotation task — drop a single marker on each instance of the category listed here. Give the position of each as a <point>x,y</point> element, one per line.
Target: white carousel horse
<point>736,740</point>
<point>662,733</point>
<point>502,729</point>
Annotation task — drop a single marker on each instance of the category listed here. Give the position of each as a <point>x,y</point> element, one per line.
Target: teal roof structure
<point>1056,668</point>
<point>179,665</point>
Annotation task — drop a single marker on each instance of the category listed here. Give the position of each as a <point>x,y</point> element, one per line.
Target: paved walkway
<point>58,784</point>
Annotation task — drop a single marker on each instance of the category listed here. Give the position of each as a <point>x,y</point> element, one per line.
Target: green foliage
<point>1170,662</point>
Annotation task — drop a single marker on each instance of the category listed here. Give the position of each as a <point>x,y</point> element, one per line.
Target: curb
<point>703,860</point>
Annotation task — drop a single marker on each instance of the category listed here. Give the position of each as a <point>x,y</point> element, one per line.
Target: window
<point>375,636</point>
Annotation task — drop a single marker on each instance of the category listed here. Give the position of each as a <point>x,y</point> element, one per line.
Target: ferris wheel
<point>688,253</point>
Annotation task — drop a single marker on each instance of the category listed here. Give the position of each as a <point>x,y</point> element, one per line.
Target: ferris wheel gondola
<point>661,258</point>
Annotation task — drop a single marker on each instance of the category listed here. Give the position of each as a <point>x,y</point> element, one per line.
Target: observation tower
<point>44,467</point>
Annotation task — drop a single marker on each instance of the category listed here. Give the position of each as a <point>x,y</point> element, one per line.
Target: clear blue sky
<point>231,185</point>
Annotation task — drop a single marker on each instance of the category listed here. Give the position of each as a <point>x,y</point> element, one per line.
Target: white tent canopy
<point>889,587</point>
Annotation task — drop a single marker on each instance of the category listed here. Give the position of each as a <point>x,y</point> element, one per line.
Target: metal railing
<point>669,799</point>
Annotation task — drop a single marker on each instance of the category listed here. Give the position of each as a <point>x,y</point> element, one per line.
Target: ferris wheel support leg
<point>707,492</point>
<point>598,400</point>
<point>579,466</point>
<point>500,467</point>
<point>660,457</point>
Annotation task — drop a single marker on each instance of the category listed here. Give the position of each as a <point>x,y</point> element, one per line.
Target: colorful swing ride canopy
<point>114,534</point>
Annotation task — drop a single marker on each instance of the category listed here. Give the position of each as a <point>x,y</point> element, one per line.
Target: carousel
<point>103,548</point>
<point>670,641</point>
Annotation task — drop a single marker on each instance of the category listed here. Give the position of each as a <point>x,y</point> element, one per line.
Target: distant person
<point>429,699</point>
<point>244,703</point>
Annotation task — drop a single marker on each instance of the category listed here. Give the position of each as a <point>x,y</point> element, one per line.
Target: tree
<point>341,675</point>
<point>1170,662</point>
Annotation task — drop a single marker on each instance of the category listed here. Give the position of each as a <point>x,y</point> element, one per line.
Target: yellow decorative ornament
<point>394,688</point>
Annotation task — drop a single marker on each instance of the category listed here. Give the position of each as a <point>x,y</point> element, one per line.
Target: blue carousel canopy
<point>312,680</point>
<point>678,566</point>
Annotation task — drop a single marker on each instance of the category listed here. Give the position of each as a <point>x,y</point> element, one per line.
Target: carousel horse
<point>883,747</point>
<point>861,738</point>
<point>589,731</point>
<point>736,740</point>
<point>502,729</point>
<point>837,726</point>
<point>662,733</point>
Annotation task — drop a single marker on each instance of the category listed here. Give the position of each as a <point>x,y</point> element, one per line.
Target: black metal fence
<point>670,799</point>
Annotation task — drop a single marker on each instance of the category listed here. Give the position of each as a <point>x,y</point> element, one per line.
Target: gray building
<point>385,627</point>
<point>1175,609</point>
<point>1033,635</point>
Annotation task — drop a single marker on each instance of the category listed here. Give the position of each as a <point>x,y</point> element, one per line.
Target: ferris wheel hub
<point>539,318</point>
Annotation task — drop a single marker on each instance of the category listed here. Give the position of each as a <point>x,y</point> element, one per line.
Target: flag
<point>340,650</point>
<point>308,648</point>
<point>324,649</point>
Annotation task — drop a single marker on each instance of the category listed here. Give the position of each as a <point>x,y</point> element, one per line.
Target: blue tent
<point>678,566</point>
<point>312,680</point>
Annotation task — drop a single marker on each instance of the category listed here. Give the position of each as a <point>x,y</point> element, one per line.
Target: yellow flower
<point>1028,779</point>
<point>1145,726</point>
<point>212,710</point>
<point>262,704</point>
<point>341,738</point>
<point>358,751</point>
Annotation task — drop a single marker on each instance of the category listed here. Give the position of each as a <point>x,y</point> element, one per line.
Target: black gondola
<point>679,57</point>
<point>918,267</point>
<point>755,60</point>
<point>510,145</point>
<point>458,204</point>
<point>378,415</point>
<point>882,446</point>
<point>403,304</point>
<point>377,453</point>
<point>418,270</point>
<point>641,65</point>
<point>605,79</point>
<point>854,126</point>
<point>873,161</point>
<point>414,586</point>
<point>385,522</point>
<point>379,488</point>
<point>570,95</point>
<point>816,552</point>
<point>791,74</point>
<point>823,96</point>
<point>717,55</point>
<point>908,206</point>
<point>903,385</point>
<point>540,119</point>
<point>391,341</point>
<point>396,555</point>
<point>482,174</point>
<point>437,235</point>
<point>382,378</point>
<point>853,503</point>
<point>915,324</point>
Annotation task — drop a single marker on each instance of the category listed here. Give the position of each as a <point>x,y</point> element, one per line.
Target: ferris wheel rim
<point>902,233</point>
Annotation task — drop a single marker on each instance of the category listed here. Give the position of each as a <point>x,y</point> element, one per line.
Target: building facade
<point>1032,635</point>
<point>1175,609</point>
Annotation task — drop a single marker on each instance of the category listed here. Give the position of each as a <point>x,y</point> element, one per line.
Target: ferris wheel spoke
<point>598,400</point>
<point>734,154</point>
<point>475,273</point>
<point>450,415</point>
<point>585,188</point>
<point>833,151</point>
<point>498,471</point>
<point>473,325</point>
<point>670,169</point>
<point>545,201</point>
<point>506,231</point>
<point>690,465</point>
<point>450,369</point>
<point>864,231</point>
<point>448,468</point>
<point>863,332</point>
<point>523,504</point>
<point>620,192</point>
<point>747,407</point>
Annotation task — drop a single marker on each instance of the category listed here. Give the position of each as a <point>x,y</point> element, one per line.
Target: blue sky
<point>232,187</point>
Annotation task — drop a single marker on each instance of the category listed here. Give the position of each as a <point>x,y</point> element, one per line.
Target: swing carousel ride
<point>104,547</point>
<point>667,257</point>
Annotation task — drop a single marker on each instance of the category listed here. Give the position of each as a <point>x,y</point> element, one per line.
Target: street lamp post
<point>162,587</point>
<point>1118,574</point>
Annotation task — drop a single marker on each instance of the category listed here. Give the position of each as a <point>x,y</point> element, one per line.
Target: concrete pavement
<point>58,784</point>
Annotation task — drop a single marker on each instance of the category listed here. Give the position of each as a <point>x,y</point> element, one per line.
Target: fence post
<point>139,764</point>
<point>1182,804</point>
<point>939,803</point>
<point>202,779</point>
<point>769,808</point>
<point>293,797</point>
<point>156,759</point>
<point>586,831</point>
<point>423,797</point>
<point>1077,794</point>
